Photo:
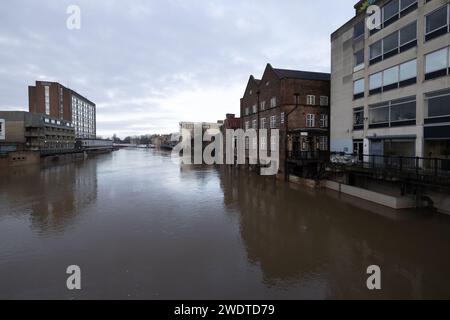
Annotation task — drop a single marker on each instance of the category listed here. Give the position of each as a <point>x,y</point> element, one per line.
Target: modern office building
<point>59,102</point>
<point>390,86</point>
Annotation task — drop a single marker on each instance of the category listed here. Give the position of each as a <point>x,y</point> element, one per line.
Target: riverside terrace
<point>413,175</point>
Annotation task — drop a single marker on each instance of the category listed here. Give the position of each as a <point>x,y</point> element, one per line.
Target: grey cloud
<point>155,52</point>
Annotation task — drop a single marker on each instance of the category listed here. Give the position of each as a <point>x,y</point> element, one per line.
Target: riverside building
<point>59,102</point>
<point>390,87</point>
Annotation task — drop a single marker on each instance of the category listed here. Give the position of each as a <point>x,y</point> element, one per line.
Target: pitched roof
<point>305,75</point>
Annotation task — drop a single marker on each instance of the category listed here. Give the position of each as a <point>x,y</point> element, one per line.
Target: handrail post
<point>417,165</point>
<point>436,167</point>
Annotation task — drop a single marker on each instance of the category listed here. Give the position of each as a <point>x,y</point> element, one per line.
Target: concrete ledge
<point>304,182</point>
<point>379,198</point>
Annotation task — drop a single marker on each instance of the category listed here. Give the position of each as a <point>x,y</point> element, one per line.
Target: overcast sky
<point>150,64</point>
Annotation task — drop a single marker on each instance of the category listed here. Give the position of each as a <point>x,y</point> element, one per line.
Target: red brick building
<point>296,99</point>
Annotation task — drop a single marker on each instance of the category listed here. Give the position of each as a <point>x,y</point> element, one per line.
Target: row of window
<point>437,23</point>
<point>437,64</point>
<point>394,77</point>
<point>387,114</point>
<point>263,143</point>
<point>395,43</point>
<point>402,112</point>
<point>322,144</point>
<point>57,122</point>
<point>310,122</point>
<point>391,12</point>
<point>310,100</point>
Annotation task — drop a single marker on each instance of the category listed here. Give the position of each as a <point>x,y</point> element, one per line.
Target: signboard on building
<point>2,129</point>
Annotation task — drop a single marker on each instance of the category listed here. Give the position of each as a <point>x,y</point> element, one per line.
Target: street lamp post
<point>286,128</point>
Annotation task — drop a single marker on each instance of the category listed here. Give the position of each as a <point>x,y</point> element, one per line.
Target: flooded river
<point>142,227</point>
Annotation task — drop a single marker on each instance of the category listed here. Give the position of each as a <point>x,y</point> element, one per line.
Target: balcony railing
<point>398,164</point>
<point>309,155</point>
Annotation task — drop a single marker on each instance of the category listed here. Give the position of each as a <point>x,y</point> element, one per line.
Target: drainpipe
<point>286,128</point>
<point>257,127</point>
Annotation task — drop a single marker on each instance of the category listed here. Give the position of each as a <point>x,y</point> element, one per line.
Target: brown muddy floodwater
<point>142,227</point>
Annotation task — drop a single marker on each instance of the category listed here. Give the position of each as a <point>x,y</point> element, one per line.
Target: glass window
<point>263,105</point>
<point>408,33</point>
<point>324,121</point>
<point>390,76</point>
<point>359,58</point>
<point>436,61</point>
<point>310,120</point>
<point>436,20</point>
<point>379,114</point>
<point>358,117</point>
<point>406,3</point>
<point>439,106</point>
<point>273,102</point>
<point>323,143</point>
<point>408,70</point>
<point>324,101</point>
<point>375,49</point>
<point>358,30</point>
<point>375,81</point>
<point>390,9</point>
<point>403,111</point>
<point>358,86</point>
<point>263,143</point>
<point>311,100</point>
<point>390,42</point>
<point>273,143</point>
<point>273,122</point>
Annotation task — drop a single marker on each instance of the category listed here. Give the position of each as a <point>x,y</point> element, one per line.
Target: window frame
<point>433,95</point>
<point>327,99</point>
<point>358,126</point>
<point>310,120</point>
<point>323,121</point>
<point>439,28</point>
<point>310,100</point>
<point>359,94</point>
<point>437,73</point>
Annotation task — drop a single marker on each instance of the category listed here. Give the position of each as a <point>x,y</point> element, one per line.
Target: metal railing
<point>309,155</point>
<point>399,164</point>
